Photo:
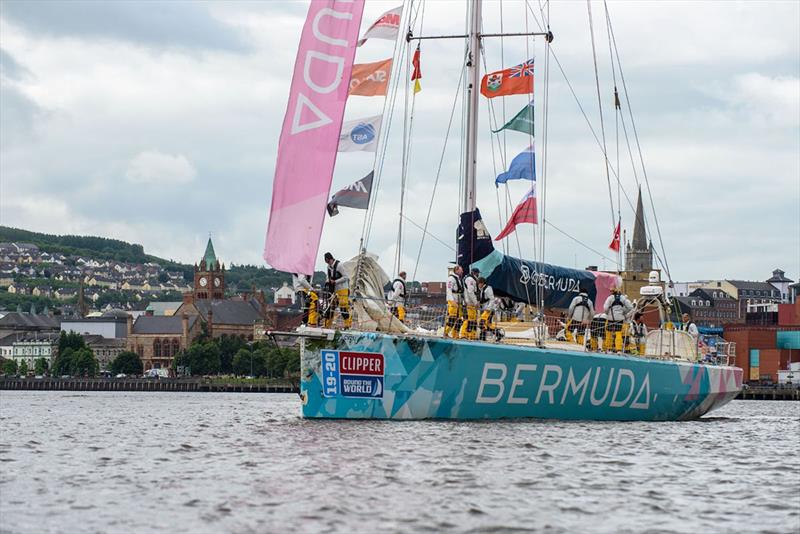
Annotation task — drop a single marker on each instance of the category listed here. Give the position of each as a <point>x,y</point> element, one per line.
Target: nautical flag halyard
<point>386,27</point>
<point>521,122</point>
<point>614,245</point>
<point>370,79</point>
<point>517,80</point>
<point>416,76</point>
<point>523,167</point>
<point>525,212</point>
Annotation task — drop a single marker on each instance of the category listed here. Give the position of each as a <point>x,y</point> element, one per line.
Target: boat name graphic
<point>564,284</point>
<point>599,386</point>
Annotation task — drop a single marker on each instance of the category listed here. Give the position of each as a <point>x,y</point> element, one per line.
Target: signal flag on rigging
<point>614,245</point>
<point>525,212</point>
<point>416,76</point>
<point>517,80</point>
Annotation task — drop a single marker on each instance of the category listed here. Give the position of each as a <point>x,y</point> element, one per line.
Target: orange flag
<point>371,79</point>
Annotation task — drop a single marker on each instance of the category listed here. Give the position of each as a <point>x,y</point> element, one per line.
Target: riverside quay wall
<point>141,384</point>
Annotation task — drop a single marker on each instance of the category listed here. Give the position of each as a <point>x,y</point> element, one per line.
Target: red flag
<point>525,212</point>
<point>416,76</point>
<point>615,240</point>
<point>517,80</point>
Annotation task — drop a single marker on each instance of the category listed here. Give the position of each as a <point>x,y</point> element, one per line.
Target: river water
<point>183,462</point>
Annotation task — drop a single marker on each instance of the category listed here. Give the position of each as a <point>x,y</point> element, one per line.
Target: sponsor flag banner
<point>355,195</point>
<point>522,121</point>
<point>517,80</point>
<point>416,76</point>
<point>360,135</point>
<point>525,212</point>
<point>386,27</point>
<point>614,245</point>
<point>371,79</point>
<point>309,136</point>
<point>523,167</point>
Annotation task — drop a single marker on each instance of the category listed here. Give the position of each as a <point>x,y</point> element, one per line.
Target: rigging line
<point>574,94</point>
<point>503,65</point>
<point>578,241</point>
<point>639,148</point>
<point>404,161</point>
<point>408,129</point>
<point>380,154</point>
<point>617,114</point>
<point>430,234</point>
<point>439,170</point>
<point>530,142</point>
<point>600,106</point>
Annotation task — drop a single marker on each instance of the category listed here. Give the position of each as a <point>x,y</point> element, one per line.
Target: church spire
<point>639,233</point>
<point>210,257</point>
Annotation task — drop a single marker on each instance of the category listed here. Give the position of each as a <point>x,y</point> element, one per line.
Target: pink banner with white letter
<point>310,134</point>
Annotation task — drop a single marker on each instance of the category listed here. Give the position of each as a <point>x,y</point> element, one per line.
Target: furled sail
<point>524,280</point>
<point>310,135</point>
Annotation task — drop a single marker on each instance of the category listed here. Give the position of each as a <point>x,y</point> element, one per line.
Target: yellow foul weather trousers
<point>451,325</point>
<point>469,329</point>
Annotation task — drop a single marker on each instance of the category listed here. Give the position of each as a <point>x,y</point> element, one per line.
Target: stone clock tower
<point>209,276</point>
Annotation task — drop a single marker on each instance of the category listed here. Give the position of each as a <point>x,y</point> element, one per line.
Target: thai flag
<point>525,212</point>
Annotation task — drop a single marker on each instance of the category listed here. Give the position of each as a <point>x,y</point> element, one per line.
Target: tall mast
<point>473,87</point>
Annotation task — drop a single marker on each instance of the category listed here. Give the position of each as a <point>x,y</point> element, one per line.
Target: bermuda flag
<point>517,80</point>
<point>525,212</point>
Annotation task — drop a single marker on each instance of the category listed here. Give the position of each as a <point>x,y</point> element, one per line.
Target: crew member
<point>339,286</point>
<point>617,308</point>
<point>455,291</point>
<point>488,306</point>
<point>580,314</point>
<point>689,326</point>
<point>308,298</point>
<point>398,296</point>
<point>469,329</point>
<point>639,332</point>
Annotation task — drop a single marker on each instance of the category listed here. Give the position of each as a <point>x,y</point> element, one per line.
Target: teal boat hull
<point>382,376</point>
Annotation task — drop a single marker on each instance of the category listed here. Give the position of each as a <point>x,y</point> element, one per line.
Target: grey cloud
<point>154,24</point>
<point>10,69</point>
<point>19,113</point>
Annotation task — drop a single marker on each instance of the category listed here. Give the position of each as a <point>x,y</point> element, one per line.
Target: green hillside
<point>102,248</point>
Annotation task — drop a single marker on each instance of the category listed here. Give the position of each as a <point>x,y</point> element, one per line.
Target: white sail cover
<point>369,303</point>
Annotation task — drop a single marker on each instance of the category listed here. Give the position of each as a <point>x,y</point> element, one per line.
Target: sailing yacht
<point>384,369</point>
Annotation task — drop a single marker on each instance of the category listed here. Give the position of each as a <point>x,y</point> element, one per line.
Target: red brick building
<point>764,349</point>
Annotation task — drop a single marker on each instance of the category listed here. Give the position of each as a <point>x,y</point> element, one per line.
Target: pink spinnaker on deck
<point>310,134</point>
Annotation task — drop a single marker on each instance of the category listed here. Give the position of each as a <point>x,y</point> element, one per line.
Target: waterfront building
<point>105,349</point>
<point>769,345</point>
<point>112,324</point>
<point>782,284</point>
<point>26,323</point>
<point>157,340</point>
<point>31,347</point>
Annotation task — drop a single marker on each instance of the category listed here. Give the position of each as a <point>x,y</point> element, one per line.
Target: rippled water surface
<point>143,462</point>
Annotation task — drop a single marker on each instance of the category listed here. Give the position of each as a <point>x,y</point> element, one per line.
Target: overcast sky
<point>157,123</point>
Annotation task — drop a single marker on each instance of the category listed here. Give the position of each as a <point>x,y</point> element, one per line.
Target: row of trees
<point>10,367</point>
<point>74,357</point>
<point>233,355</point>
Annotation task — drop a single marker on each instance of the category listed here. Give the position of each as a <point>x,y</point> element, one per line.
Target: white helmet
<point>654,278</point>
